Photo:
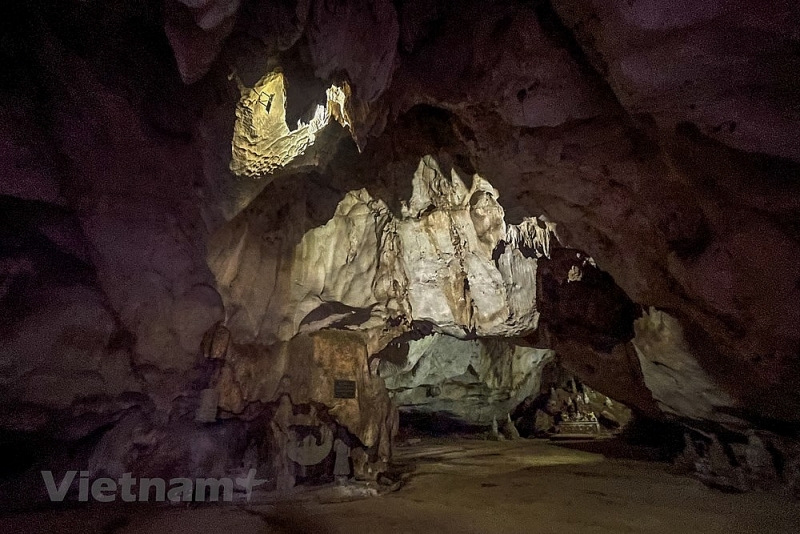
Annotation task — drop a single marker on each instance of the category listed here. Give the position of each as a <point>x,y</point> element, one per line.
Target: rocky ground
<point>474,486</point>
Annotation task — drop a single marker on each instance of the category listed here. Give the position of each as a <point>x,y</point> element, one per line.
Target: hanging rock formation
<point>679,384</point>
<point>306,369</point>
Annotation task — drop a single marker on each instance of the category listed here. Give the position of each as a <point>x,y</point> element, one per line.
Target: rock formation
<point>262,141</point>
<point>672,374</point>
<point>369,268</point>
<point>306,369</point>
<point>474,381</point>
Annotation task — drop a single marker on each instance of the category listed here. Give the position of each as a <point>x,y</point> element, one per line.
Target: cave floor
<point>463,486</point>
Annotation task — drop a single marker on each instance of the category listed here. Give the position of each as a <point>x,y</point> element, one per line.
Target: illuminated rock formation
<point>671,372</point>
<point>367,267</point>
<point>262,141</point>
<point>306,369</point>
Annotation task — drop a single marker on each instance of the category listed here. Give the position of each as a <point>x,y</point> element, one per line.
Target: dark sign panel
<point>344,389</point>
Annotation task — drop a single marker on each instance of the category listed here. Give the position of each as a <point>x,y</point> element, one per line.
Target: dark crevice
<point>563,37</point>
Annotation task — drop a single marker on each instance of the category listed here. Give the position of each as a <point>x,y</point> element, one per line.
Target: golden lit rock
<point>307,368</point>
<point>262,141</point>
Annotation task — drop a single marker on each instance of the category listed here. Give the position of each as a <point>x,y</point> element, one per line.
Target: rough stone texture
<point>671,373</point>
<point>306,368</point>
<point>667,61</point>
<point>666,227</point>
<point>105,291</point>
<point>197,30</point>
<point>28,170</point>
<point>56,356</point>
<point>617,373</point>
<point>337,33</point>
<point>456,54</point>
<point>139,446</point>
<point>367,267</point>
<point>740,462</point>
<point>473,380</point>
<point>262,141</point>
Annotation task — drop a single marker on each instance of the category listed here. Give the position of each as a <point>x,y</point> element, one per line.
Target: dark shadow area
<point>420,131</point>
<point>304,91</point>
<point>438,424</point>
<point>642,439</point>
<point>596,311</point>
<point>617,448</point>
<point>40,246</point>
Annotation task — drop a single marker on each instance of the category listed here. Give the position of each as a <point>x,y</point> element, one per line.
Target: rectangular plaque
<point>209,401</point>
<point>344,389</point>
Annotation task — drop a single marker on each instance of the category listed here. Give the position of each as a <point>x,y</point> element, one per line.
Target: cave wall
<point>106,289</point>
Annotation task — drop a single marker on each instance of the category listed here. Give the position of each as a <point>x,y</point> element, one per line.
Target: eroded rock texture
<point>263,143</point>
<point>306,369</point>
<point>672,374</point>
<point>474,381</point>
<point>439,262</point>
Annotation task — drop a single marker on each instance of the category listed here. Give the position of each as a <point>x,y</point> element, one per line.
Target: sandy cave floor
<point>464,486</point>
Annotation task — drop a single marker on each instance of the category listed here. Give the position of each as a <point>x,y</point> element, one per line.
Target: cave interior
<point>343,247</point>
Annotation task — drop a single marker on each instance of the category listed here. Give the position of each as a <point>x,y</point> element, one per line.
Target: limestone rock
<point>262,141</point>
<point>452,281</point>
<point>196,31</point>
<point>475,381</point>
<point>193,313</point>
<point>544,424</point>
<point>306,368</point>
<point>616,373</point>
<point>215,342</point>
<point>56,356</point>
<point>162,295</point>
<point>363,469</point>
<point>678,383</point>
<point>183,449</point>
<point>310,450</point>
<point>509,430</point>
<point>661,137</point>
<point>335,35</point>
<point>27,168</point>
<point>366,266</point>
<point>678,85</point>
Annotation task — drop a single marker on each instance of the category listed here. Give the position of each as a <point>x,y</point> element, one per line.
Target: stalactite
<point>532,233</point>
